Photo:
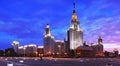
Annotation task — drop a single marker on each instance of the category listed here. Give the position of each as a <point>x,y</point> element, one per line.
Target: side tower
<point>100,46</point>
<point>15,45</point>
<point>100,41</point>
<point>48,42</point>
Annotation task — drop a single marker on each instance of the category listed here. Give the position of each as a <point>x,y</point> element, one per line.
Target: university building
<point>73,45</point>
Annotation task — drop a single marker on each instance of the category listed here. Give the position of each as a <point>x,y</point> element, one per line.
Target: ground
<point>58,61</point>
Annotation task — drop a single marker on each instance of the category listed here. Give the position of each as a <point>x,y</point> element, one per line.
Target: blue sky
<point>25,20</point>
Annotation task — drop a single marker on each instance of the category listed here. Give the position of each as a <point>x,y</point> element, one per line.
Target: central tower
<point>74,33</point>
<point>74,22</point>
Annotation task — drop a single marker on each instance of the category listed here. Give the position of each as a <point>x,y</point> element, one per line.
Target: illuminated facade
<point>31,49</point>
<point>74,33</point>
<point>40,50</point>
<point>28,50</point>
<point>21,50</point>
<point>59,48</point>
<point>93,50</point>
<point>48,42</point>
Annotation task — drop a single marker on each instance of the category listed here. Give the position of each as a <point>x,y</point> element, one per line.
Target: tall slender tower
<point>74,22</point>
<point>74,33</point>
<point>48,41</point>
<point>100,40</point>
<point>100,46</point>
<point>47,30</point>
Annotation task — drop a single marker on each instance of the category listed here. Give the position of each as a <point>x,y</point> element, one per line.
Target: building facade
<point>59,48</point>
<point>29,50</point>
<point>40,50</point>
<point>94,50</point>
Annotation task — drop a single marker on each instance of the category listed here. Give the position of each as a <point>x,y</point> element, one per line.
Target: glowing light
<point>21,47</point>
<point>25,45</point>
<point>115,49</point>
<point>59,46</point>
<point>52,37</point>
<point>80,30</point>
<point>40,47</point>
<point>32,45</point>
<point>71,27</point>
<point>59,41</point>
<point>47,26</point>
<point>74,17</point>
<point>15,43</point>
<point>48,35</point>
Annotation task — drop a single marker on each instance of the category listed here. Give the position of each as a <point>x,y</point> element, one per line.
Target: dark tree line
<point>9,52</point>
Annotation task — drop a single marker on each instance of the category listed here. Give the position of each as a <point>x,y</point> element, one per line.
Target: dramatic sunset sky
<point>25,20</point>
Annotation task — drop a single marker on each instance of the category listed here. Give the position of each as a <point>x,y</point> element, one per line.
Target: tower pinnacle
<point>100,40</point>
<point>74,16</point>
<point>47,30</point>
<point>73,7</point>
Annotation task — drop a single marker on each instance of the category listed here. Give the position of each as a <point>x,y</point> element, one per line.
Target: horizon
<point>25,21</point>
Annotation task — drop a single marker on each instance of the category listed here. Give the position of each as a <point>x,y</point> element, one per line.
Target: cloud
<point>111,46</point>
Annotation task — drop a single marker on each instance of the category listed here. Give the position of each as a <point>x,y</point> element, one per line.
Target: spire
<point>47,30</point>
<point>73,7</point>
<point>74,16</point>
<point>100,40</point>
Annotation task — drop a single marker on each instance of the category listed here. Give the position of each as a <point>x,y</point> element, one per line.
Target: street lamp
<point>49,53</point>
<point>36,54</point>
<point>40,55</point>
<point>65,54</point>
<point>59,47</point>
<point>4,53</point>
<point>53,53</point>
<point>24,51</point>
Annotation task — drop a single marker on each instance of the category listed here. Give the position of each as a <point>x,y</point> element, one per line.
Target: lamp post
<point>40,55</point>
<point>4,53</point>
<point>49,53</point>
<point>36,54</point>
<point>59,47</point>
<point>24,51</point>
<point>65,54</point>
